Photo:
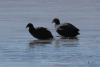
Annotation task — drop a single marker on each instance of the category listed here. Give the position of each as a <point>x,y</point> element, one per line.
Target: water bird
<point>39,32</point>
<point>65,29</point>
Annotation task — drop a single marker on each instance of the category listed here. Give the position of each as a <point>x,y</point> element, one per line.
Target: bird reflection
<point>61,42</point>
<point>69,38</point>
<point>67,42</point>
<point>39,42</point>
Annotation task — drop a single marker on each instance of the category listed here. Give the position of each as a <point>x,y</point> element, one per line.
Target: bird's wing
<point>72,26</point>
<point>43,31</point>
<point>68,27</point>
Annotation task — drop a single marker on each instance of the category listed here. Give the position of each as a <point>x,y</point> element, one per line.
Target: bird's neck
<point>31,29</point>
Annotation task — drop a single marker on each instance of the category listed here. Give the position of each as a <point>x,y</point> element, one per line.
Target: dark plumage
<point>40,32</point>
<point>65,29</point>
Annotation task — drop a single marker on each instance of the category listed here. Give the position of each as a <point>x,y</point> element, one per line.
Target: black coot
<point>39,32</point>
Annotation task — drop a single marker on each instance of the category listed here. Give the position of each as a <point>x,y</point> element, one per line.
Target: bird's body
<point>39,32</point>
<point>65,29</point>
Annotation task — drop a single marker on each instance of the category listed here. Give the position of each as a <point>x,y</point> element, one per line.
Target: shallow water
<point>19,49</point>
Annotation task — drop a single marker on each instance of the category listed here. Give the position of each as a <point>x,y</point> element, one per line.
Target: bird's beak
<point>52,21</point>
<point>26,26</point>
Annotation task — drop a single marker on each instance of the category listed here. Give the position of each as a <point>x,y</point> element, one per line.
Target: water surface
<point>19,49</point>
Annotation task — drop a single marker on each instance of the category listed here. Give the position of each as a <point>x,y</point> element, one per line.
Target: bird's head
<point>30,25</point>
<point>56,21</point>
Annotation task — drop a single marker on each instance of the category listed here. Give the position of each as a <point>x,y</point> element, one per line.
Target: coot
<point>39,32</point>
<point>65,29</point>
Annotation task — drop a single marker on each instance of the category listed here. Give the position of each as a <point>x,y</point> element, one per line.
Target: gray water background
<point>19,49</point>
